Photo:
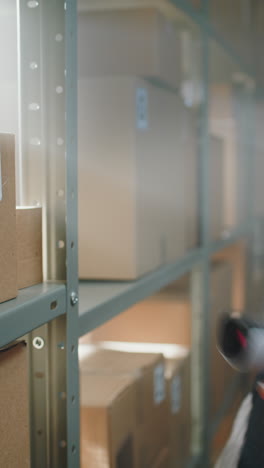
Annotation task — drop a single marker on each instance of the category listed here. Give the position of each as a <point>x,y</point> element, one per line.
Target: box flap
<point>111,359</point>
<point>102,390</point>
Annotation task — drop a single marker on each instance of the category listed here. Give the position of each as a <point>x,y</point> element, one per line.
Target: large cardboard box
<point>220,303</point>
<point>8,247</point>
<point>29,246</point>
<point>178,376</point>
<point>163,318</point>
<point>14,397</point>
<point>216,187</point>
<point>133,172</point>
<point>139,42</point>
<point>151,414</point>
<point>108,421</point>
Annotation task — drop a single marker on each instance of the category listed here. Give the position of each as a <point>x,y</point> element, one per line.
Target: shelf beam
<point>32,308</point>
<point>101,301</point>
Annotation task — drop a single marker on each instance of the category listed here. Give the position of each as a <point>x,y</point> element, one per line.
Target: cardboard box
<point>169,313</point>
<point>29,246</point>
<point>216,187</point>
<point>151,414</point>
<point>14,396</point>
<point>133,173</point>
<point>178,375</point>
<point>8,247</point>
<point>220,303</point>
<point>108,421</point>
<point>137,41</point>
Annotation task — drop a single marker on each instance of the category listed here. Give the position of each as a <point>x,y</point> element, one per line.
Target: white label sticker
<point>1,189</point>
<point>175,394</point>
<point>142,108</point>
<point>159,384</point>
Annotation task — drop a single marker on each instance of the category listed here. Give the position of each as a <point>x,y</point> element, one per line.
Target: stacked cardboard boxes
<point>161,430</point>
<point>167,318</point>
<point>148,372</point>
<point>20,230</point>
<point>138,164</point>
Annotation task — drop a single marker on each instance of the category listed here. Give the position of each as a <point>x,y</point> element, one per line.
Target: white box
<point>137,41</point>
<point>131,177</point>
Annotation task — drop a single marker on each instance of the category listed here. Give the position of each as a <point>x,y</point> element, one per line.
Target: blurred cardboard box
<point>8,244</point>
<point>14,410</point>
<point>129,41</point>
<point>216,187</point>
<point>151,414</point>
<point>135,161</point>
<point>165,317</point>
<point>29,246</point>
<point>108,421</point>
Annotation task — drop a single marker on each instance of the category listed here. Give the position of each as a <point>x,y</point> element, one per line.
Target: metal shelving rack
<point>49,313</point>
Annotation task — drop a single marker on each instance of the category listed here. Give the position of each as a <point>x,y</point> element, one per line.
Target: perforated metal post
<point>48,161</point>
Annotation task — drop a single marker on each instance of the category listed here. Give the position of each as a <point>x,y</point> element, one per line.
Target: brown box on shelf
<point>149,45</point>
<point>169,313</point>
<point>220,303</point>
<point>14,397</point>
<point>151,393</point>
<point>29,246</point>
<point>131,185</point>
<point>178,375</point>
<point>8,246</point>
<point>216,187</point>
<point>108,421</point>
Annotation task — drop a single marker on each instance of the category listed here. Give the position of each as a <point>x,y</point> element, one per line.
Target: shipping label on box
<point>175,394</point>
<point>159,384</point>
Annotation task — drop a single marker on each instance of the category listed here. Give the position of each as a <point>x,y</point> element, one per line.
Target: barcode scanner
<point>241,342</point>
